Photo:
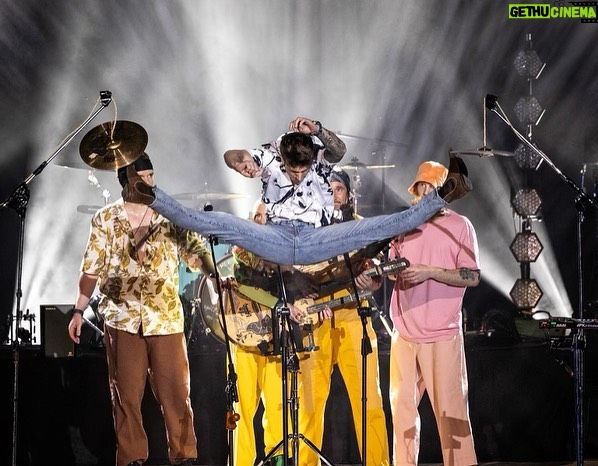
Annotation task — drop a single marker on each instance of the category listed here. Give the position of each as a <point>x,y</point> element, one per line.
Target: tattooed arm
<point>418,273</point>
<point>335,147</point>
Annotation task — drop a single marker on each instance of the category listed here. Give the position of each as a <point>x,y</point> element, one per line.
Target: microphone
<point>490,101</point>
<point>208,207</point>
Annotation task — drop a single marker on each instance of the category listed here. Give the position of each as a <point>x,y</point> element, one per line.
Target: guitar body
<point>248,322</point>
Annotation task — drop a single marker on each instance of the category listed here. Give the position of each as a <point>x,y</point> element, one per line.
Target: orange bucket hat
<point>431,172</point>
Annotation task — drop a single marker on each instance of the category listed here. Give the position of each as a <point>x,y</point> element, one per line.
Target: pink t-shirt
<point>431,311</point>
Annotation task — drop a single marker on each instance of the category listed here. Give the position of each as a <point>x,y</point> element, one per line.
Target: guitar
<point>310,306</point>
<point>248,310</point>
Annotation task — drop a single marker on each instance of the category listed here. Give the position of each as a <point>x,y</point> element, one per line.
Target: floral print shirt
<point>139,295</point>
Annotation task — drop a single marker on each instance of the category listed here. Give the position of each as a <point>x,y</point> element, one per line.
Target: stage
<point>521,401</point>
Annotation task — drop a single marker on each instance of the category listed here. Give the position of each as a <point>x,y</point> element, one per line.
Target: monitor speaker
<point>55,319</point>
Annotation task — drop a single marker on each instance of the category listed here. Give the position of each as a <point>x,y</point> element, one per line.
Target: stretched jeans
<point>295,242</point>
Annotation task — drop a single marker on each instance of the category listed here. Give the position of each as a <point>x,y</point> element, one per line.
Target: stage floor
<point>499,463</point>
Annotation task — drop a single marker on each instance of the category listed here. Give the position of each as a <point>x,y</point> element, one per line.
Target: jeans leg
<point>297,242</point>
<point>318,244</point>
<point>271,243</point>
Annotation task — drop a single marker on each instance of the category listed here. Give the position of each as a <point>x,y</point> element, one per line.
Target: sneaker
<point>457,183</point>
<point>136,190</point>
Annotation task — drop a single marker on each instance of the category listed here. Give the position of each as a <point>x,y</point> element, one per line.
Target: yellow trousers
<point>259,377</point>
<point>341,345</point>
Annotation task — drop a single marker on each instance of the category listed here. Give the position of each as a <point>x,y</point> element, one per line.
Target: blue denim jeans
<point>295,242</point>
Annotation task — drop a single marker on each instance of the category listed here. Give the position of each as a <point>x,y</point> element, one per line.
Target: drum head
<point>207,296</point>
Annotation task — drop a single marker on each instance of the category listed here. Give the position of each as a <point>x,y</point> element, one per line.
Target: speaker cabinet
<point>55,319</point>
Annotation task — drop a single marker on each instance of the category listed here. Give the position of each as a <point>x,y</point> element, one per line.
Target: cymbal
<point>359,165</point>
<point>113,145</point>
<point>483,152</point>
<point>207,196</point>
<point>371,140</point>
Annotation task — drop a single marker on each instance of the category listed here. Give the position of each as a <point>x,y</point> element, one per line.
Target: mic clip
<point>105,97</point>
<point>490,101</point>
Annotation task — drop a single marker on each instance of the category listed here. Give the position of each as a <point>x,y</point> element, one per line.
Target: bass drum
<point>207,295</point>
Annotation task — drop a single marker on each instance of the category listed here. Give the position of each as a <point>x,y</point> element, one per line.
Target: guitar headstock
<point>388,268</point>
<point>396,265</point>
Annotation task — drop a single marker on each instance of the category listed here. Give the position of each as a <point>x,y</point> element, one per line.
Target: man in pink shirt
<point>427,350</point>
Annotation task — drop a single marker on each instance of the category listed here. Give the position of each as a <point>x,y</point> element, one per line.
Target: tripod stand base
<point>279,460</point>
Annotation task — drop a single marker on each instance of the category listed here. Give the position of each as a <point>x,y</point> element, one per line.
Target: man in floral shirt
<point>132,256</point>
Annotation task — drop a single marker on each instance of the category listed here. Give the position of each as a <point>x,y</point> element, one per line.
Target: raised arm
<point>335,148</point>
<point>242,162</point>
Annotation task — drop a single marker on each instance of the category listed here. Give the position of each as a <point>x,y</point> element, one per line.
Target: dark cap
<point>341,176</point>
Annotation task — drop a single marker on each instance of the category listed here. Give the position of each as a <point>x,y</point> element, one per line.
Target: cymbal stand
<point>385,305</point>
<point>290,365</point>
<point>230,390</point>
<point>356,185</point>
<point>18,201</point>
<point>94,181</point>
<point>366,348</point>
<point>582,202</point>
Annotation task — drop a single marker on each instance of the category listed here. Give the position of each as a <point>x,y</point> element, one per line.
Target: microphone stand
<point>232,395</point>
<point>288,343</point>
<point>582,202</point>
<point>366,348</point>
<point>18,201</point>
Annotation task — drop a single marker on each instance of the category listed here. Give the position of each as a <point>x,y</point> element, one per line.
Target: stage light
<point>526,247</point>
<point>526,202</point>
<point>526,157</point>
<point>526,293</point>
<point>528,64</point>
<point>528,110</point>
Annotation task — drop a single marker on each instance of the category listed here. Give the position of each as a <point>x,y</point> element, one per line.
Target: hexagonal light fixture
<point>528,64</point>
<point>526,293</point>
<point>526,247</point>
<point>525,157</point>
<point>526,202</point>
<point>529,111</point>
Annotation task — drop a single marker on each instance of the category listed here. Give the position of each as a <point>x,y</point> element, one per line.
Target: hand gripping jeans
<point>295,242</point>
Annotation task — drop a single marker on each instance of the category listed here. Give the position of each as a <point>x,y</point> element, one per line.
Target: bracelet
<point>319,125</point>
<point>74,311</point>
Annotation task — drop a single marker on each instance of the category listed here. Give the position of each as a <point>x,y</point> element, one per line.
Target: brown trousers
<point>131,359</point>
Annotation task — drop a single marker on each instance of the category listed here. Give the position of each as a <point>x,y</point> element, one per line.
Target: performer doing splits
<point>297,240</point>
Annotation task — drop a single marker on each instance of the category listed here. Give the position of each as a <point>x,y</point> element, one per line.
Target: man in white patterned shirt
<point>295,185</point>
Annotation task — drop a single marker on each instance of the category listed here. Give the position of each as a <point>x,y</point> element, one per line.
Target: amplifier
<point>568,323</point>
<point>55,319</point>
